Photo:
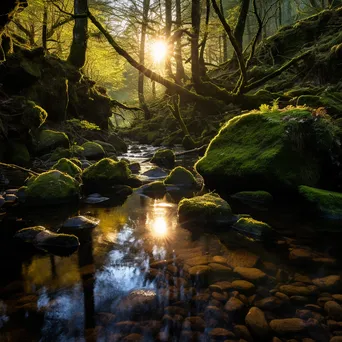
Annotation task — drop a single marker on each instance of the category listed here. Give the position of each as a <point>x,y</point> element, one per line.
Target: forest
<point>170,170</point>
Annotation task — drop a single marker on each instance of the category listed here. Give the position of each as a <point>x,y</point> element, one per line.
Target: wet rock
<point>337,297</point>
<point>299,300</point>
<point>241,258</point>
<point>164,158</point>
<point>2,201</point>
<point>243,286</point>
<point>221,286</point>
<point>251,274</point>
<point>155,189</point>
<point>299,290</point>
<point>182,178</point>
<point>287,326</point>
<point>256,322</point>
<point>93,151</point>
<point>176,310</point>
<point>333,310</point>
<point>300,255</point>
<point>108,148</point>
<point>200,274</point>
<point>220,334</point>
<point>234,305</point>
<point>219,296</point>
<point>203,211</point>
<point>128,327</point>
<point>254,197</point>
<point>67,166</point>
<point>199,260</point>
<point>219,260</point>
<point>336,339</point>
<point>48,140</point>
<point>155,172</point>
<point>80,222</point>
<point>194,323</point>
<point>329,283</point>
<point>134,167</point>
<point>242,332</point>
<point>256,229</point>
<point>95,198</point>
<point>219,271</point>
<point>269,303</point>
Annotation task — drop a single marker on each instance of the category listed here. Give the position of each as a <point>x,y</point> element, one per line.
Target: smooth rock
<point>256,322</point>
<point>250,273</point>
<point>287,326</point>
<point>291,290</point>
<point>243,286</point>
<point>328,283</point>
<point>233,305</point>
<point>333,310</point>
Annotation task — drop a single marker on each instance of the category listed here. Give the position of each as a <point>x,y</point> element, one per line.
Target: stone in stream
<point>333,310</point>
<point>250,273</point>
<point>269,303</point>
<point>155,189</point>
<point>93,150</point>
<point>242,258</point>
<point>299,290</point>
<point>80,222</point>
<point>220,334</point>
<point>234,305</point>
<point>254,197</point>
<point>256,229</point>
<point>134,167</point>
<point>67,166</point>
<point>47,240</point>
<point>329,283</point>
<point>2,201</point>
<point>287,326</point>
<point>155,172</point>
<point>164,158</point>
<point>243,286</point>
<point>95,198</point>
<point>256,322</point>
<point>182,178</point>
<point>194,323</point>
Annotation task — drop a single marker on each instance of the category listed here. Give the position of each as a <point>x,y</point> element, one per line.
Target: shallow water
<point>87,296</point>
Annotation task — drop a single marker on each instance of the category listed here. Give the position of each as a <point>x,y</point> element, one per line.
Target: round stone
<point>287,325</point>
<point>257,323</point>
<point>250,273</point>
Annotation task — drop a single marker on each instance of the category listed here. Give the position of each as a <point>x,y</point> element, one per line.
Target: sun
<point>159,50</point>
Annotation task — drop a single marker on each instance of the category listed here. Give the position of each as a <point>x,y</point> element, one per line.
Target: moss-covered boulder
<point>205,211</point>
<point>76,162</point>
<point>17,153</point>
<point>106,173</point>
<point>276,150</point>
<point>182,177</point>
<point>51,187</point>
<point>59,153</point>
<point>257,197</point>
<point>42,238</point>
<point>48,140</point>
<point>155,189</point>
<point>67,166</point>
<point>92,150</point>
<point>253,228</point>
<point>108,148</point>
<point>325,203</point>
<point>117,143</point>
<point>33,116</point>
<point>164,158</point>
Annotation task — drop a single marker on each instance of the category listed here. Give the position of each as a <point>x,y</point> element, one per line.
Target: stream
<point>129,279</point>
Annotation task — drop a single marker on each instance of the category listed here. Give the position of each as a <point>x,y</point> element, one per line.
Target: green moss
<point>76,150</point>
<point>67,166</point>
<point>205,209</point>
<point>60,153</point>
<point>261,197</point>
<point>326,203</point>
<point>273,150</point>
<point>164,158</point>
<point>93,150</point>
<point>155,189</point>
<point>33,115</point>
<point>117,142</point>
<point>51,187</point>
<point>253,228</point>
<point>48,140</point>
<point>181,176</point>
<point>108,148</point>
<point>18,154</point>
<point>76,162</point>
<point>107,171</point>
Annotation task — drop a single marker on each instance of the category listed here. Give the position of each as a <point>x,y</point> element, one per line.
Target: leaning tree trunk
<point>78,50</point>
<point>168,27</point>
<point>44,27</point>
<point>180,72</point>
<point>239,29</point>
<point>141,79</point>
<point>196,23</point>
<point>224,37</point>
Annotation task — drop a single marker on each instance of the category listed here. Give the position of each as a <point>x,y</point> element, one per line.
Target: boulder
<point>256,322</point>
<point>51,187</point>
<point>80,222</point>
<point>203,211</point>
<point>276,150</point>
<point>93,151</point>
<point>164,158</point>
<point>325,203</point>
<point>104,174</point>
<point>288,326</point>
<point>254,197</point>
<point>18,154</point>
<point>181,177</point>
<point>155,172</point>
<point>67,166</point>
<point>108,148</point>
<point>48,140</point>
<point>253,228</point>
<point>155,189</point>
<point>117,142</point>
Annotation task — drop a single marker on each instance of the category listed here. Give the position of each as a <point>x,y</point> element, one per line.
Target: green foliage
<point>67,166</point>
<point>326,203</point>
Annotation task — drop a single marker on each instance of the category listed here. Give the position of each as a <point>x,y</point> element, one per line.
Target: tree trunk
<point>141,79</point>
<point>180,73</point>
<point>168,27</point>
<point>44,27</point>
<point>196,23</point>
<point>202,67</point>
<point>224,36</point>
<point>78,50</point>
<point>241,23</point>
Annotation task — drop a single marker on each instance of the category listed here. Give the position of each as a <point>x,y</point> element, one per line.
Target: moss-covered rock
<point>67,166</point>
<point>17,153</point>
<point>325,203</point>
<point>182,177</point>
<point>204,211</point>
<point>134,167</point>
<point>60,153</point>
<point>258,197</point>
<point>77,151</point>
<point>253,228</point>
<point>276,150</point>
<point>108,148</point>
<point>155,189</point>
<point>188,143</point>
<point>117,142</point>
<point>48,140</point>
<point>93,151</point>
<point>33,116</point>
<point>106,173</point>
<point>51,187</point>
<point>77,162</point>
<point>164,158</point>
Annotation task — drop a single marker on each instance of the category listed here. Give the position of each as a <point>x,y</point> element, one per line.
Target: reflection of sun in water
<point>159,227</point>
<point>159,50</point>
